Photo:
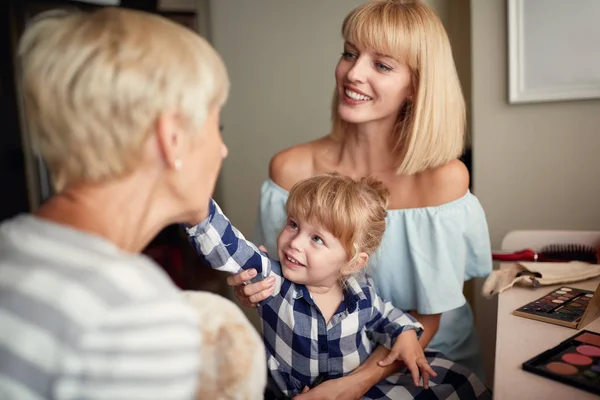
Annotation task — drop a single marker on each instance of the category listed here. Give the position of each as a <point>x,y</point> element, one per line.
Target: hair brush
<point>550,253</point>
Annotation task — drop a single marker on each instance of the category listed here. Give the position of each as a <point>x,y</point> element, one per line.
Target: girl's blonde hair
<point>95,83</point>
<point>431,127</point>
<point>352,211</point>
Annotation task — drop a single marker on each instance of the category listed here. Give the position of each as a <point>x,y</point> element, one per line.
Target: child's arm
<point>399,332</point>
<point>387,321</point>
<point>225,248</point>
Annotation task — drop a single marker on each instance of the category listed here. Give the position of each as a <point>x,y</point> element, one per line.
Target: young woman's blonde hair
<point>95,83</point>
<point>431,127</point>
<point>352,211</point>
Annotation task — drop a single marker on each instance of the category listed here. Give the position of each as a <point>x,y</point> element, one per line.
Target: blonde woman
<point>398,116</point>
<point>124,108</point>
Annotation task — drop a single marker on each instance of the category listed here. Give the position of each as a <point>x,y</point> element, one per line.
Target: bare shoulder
<point>294,163</point>
<point>445,183</point>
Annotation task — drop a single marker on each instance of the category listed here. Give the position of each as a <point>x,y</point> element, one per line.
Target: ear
<point>359,263</point>
<point>169,137</point>
<point>410,95</point>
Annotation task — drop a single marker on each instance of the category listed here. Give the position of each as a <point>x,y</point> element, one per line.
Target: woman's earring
<point>177,165</point>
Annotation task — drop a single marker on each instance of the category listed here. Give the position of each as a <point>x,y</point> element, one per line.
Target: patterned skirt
<point>453,381</point>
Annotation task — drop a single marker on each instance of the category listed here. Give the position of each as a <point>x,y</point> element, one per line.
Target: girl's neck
<point>327,299</point>
<point>325,289</point>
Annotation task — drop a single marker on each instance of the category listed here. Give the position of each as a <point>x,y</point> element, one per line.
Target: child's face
<point>310,255</point>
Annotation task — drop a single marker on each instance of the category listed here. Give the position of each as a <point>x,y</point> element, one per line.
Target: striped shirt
<point>81,319</point>
<point>301,347</point>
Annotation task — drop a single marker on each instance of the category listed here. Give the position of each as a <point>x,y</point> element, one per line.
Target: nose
<point>357,73</point>
<point>296,242</point>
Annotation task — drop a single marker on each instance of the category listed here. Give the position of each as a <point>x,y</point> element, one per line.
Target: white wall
<point>535,166</point>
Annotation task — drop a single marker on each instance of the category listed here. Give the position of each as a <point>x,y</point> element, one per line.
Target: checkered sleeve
<point>387,321</point>
<point>224,247</point>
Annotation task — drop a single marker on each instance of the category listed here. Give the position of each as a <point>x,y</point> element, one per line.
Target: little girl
<point>323,319</point>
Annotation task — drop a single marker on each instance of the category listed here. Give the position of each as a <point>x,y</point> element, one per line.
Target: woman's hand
<point>334,389</point>
<point>253,293</point>
<point>408,349</point>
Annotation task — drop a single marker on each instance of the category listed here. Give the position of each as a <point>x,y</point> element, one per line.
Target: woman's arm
<point>354,385</point>
<point>431,324</point>
<point>369,373</point>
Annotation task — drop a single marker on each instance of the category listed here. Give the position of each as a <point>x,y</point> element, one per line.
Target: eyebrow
<point>385,56</point>
<point>381,55</point>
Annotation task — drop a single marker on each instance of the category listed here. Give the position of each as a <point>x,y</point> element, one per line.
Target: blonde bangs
<point>323,206</point>
<point>379,26</point>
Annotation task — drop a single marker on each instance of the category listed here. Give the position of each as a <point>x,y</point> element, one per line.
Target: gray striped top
<point>81,319</point>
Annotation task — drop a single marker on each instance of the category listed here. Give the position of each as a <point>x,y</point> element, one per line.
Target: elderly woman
<point>123,107</point>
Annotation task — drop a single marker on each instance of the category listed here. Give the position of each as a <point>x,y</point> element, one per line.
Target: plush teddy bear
<point>232,352</point>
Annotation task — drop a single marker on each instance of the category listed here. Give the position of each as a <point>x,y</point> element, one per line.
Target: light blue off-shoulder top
<point>424,259</point>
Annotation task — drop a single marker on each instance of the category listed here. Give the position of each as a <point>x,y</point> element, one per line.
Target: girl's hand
<point>408,349</point>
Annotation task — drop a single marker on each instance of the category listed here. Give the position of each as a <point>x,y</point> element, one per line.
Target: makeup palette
<point>565,306</point>
<point>576,362</point>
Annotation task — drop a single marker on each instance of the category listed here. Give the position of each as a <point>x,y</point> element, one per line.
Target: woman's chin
<point>352,116</point>
<point>194,217</point>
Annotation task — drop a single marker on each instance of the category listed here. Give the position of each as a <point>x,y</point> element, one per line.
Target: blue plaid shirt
<point>301,346</point>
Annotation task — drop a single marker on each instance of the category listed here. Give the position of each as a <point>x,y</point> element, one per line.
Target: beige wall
<point>536,165</point>
<point>457,20</point>
<point>281,57</point>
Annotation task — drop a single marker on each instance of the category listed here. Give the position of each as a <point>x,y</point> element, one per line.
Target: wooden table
<point>519,339</point>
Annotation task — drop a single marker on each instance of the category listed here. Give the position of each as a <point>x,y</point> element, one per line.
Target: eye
<point>348,55</point>
<point>382,67</point>
<point>292,224</point>
<point>317,239</point>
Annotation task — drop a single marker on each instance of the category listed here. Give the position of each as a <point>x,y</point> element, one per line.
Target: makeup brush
<point>551,253</point>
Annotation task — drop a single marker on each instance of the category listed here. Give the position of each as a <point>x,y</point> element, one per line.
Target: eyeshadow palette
<point>565,306</point>
<point>576,362</point>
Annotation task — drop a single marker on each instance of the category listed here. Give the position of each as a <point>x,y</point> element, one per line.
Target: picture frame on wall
<point>553,50</point>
